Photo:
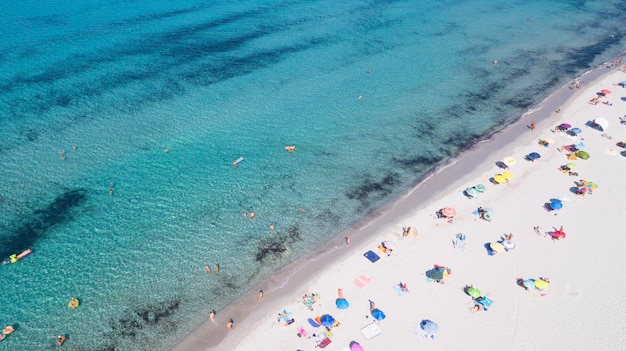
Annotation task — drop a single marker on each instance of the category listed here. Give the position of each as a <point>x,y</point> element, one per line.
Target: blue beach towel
<point>372,256</point>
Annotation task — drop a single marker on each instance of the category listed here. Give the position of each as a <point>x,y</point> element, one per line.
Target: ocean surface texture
<point>120,120</point>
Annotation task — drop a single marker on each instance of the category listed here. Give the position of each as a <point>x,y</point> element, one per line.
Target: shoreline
<point>284,285</point>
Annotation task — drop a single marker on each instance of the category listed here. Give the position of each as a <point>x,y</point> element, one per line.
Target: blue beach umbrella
<point>429,326</point>
<point>533,156</point>
<point>622,84</point>
<point>327,320</point>
<point>556,204</point>
<point>471,191</point>
<point>576,130</point>
<point>342,304</point>
<point>378,314</point>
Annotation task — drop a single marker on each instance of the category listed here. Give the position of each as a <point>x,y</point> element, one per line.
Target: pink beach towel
<point>361,281</point>
<point>302,332</point>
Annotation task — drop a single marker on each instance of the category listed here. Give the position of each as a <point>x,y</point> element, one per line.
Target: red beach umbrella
<point>605,91</point>
<point>448,212</point>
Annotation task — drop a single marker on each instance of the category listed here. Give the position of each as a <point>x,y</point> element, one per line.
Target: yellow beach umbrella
<point>507,175</point>
<point>499,178</point>
<point>497,247</point>
<point>541,284</point>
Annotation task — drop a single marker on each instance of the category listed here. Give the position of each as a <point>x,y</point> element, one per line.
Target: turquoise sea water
<point>160,98</point>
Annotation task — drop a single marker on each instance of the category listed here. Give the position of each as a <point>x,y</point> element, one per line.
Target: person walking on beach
<point>229,325</point>
<point>212,316</point>
<point>260,295</point>
<point>533,125</point>
<point>347,241</point>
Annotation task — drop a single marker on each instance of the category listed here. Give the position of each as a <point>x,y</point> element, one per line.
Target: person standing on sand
<point>212,316</point>
<point>347,241</point>
<point>260,295</point>
<point>229,325</point>
<point>533,125</point>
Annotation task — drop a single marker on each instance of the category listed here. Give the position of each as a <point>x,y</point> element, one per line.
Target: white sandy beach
<point>584,307</point>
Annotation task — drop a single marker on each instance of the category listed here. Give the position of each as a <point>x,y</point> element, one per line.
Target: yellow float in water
<point>73,303</point>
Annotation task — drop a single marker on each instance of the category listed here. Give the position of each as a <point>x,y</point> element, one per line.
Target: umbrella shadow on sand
<point>490,251</point>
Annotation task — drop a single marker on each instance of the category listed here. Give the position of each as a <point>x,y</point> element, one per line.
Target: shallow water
<point>159,98</point>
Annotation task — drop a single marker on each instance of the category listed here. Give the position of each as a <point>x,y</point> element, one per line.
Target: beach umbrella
<point>571,165</point>
<point>313,323</point>
<point>579,145</point>
<point>509,161</point>
<point>355,346</point>
<point>499,178</point>
<point>429,326</point>
<point>528,283</point>
<point>508,244</point>
<point>327,320</point>
<point>473,292</point>
<point>556,204</point>
<point>559,234</point>
<point>497,247</point>
<point>622,83</point>
<point>605,91</point>
<point>471,191</point>
<point>412,233</point>
<point>448,212</point>
<point>576,130</point>
<point>480,187</point>
<point>591,185</point>
<point>507,175</point>
<point>565,126</point>
<point>533,156</point>
<point>342,303</point>
<point>378,314</point>
<point>488,216</point>
<point>435,273</point>
<point>583,154</point>
<point>541,284</point>
<point>602,123</point>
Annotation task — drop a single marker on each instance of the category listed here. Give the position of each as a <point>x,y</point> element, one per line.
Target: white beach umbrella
<point>602,123</point>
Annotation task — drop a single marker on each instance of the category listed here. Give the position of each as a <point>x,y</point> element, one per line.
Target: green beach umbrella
<point>582,154</point>
<point>473,292</point>
<point>570,165</point>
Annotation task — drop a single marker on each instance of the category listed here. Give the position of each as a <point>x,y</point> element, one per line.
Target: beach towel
<point>302,332</point>
<point>371,330</point>
<point>372,256</point>
<point>324,343</point>
<point>361,281</point>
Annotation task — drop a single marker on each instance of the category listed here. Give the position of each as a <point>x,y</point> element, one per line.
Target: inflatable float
<point>236,162</point>
<point>8,330</point>
<point>73,303</point>
<point>15,257</point>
